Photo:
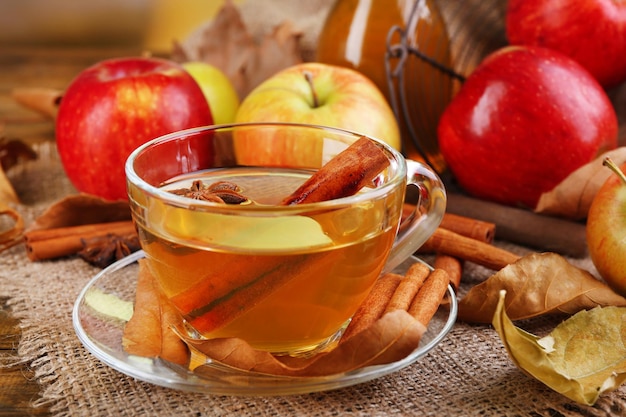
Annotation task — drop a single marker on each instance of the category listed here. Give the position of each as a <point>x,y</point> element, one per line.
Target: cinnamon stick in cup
<point>343,175</point>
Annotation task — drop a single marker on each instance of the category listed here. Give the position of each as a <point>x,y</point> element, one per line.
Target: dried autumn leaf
<point>11,226</point>
<point>390,339</point>
<point>12,152</point>
<point>7,192</point>
<point>537,284</point>
<point>582,358</point>
<point>81,209</point>
<point>148,333</point>
<point>572,197</point>
<point>227,44</point>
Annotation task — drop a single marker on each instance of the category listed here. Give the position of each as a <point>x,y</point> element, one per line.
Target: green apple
<point>318,94</point>
<point>218,90</point>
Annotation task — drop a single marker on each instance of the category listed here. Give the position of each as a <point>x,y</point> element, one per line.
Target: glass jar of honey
<point>404,48</point>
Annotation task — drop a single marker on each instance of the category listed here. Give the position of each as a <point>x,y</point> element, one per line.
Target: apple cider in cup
<point>285,266</point>
<point>284,283</point>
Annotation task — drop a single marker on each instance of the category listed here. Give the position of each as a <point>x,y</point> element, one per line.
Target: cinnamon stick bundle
<point>467,226</point>
<point>419,292</point>
<point>44,244</point>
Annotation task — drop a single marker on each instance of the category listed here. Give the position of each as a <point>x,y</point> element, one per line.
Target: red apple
<point>522,122</point>
<point>592,32</point>
<point>606,229</point>
<point>318,94</point>
<point>113,107</point>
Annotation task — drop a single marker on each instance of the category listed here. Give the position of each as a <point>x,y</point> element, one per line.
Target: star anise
<point>219,192</point>
<point>102,251</point>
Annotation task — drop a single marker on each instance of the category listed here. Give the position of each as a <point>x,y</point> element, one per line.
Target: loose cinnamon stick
<point>343,175</point>
<point>450,243</point>
<point>408,287</point>
<point>374,304</point>
<point>466,226</point>
<point>42,100</point>
<point>524,227</point>
<point>453,266</point>
<point>429,297</point>
<point>44,244</point>
<point>469,227</point>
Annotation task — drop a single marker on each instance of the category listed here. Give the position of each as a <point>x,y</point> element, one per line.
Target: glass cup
<point>286,279</point>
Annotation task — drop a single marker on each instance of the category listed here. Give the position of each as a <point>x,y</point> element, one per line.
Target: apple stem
<point>309,78</point>
<point>608,162</point>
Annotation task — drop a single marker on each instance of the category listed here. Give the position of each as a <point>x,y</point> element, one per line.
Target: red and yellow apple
<point>606,229</point>
<point>592,32</point>
<point>218,90</point>
<point>114,106</point>
<point>317,94</point>
<point>524,120</point>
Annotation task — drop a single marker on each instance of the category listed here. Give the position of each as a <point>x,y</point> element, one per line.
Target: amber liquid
<point>355,36</point>
<point>283,285</point>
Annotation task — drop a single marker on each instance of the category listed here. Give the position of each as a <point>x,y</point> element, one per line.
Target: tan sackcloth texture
<point>469,373</point>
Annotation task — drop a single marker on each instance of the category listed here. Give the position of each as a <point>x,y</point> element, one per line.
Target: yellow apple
<point>317,94</point>
<point>218,90</point>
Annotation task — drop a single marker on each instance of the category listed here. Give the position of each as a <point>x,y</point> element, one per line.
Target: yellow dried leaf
<point>582,358</point>
<point>537,284</point>
<point>572,197</point>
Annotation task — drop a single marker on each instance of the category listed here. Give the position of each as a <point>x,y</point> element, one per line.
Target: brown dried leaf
<point>148,333</point>
<point>573,196</point>
<point>277,51</point>
<point>227,44</point>
<point>12,152</point>
<point>537,284</point>
<point>81,209</point>
<point>390,339</point>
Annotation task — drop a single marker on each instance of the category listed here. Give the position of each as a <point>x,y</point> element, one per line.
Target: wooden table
<point>31,67</point>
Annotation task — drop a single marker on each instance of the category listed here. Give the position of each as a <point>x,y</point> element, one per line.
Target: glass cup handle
<point>422,223</point>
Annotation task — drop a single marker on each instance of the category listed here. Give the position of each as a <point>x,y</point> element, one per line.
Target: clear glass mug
<point>286,279</point>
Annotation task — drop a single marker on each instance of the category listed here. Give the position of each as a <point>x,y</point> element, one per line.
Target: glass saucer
<point>106,304</point>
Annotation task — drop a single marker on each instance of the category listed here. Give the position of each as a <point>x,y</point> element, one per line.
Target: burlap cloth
<point>469,373</point>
